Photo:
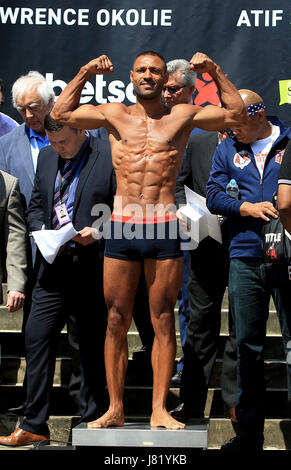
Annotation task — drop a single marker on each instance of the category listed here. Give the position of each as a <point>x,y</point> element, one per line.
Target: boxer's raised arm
<point>66,109</point>
<point>232,109</point>
<point>214,118</point>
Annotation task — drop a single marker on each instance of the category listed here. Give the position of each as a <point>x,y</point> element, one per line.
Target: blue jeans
<point>249,299</point>
<point>183,305</point>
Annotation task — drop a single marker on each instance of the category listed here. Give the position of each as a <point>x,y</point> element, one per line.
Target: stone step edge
<point>135,333</point>
<point>144,417</point>
<point>218,360</point>
<point>142,387</point>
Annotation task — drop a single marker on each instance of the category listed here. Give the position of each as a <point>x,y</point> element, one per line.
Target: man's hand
<point>101,65</point>
<point>259,210</point>
<point>15,300</point>
<point>183,224</point>
<point>86,236</point>
<point>178,213</point>
<point>202,63</point>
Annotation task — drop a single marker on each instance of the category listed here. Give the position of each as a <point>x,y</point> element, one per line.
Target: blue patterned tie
<point>62,192</point>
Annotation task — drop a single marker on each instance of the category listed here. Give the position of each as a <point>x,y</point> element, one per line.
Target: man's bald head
<point>250,97</point>
<point>253,102</point>
<point>256,125</point>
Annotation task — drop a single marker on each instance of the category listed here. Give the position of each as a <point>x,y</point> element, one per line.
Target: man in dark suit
<point>208,276</point>
<point>73,175</point>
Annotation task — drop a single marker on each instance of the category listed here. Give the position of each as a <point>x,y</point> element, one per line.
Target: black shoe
<point>243,443</point>
<point>184,413</point>
<point>143,353</point>
<point>17,411</point>
<point>176,379</point>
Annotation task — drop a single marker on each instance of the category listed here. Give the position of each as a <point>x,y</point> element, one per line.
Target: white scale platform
<point>139,434</point>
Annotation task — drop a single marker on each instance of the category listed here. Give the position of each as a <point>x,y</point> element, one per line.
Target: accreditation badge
<point>62,214</point>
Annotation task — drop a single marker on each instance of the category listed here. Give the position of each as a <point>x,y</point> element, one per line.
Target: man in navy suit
<point>74,281</point>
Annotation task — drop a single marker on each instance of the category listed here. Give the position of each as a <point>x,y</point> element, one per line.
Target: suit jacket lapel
<point>25,154</point>
<point>51,179</point>
<point>93,155</point>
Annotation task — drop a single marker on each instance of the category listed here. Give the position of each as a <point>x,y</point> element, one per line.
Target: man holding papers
<point>73,175</point>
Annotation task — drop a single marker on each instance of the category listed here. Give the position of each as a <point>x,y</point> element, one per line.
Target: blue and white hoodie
<point>234,159</point>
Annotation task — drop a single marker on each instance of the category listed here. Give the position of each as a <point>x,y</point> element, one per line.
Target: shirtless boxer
<point>147,142</point>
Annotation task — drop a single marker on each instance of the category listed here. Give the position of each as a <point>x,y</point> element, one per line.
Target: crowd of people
<point>63,161</point>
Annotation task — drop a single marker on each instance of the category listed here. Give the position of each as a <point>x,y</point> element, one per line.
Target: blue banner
<point>249,40</point>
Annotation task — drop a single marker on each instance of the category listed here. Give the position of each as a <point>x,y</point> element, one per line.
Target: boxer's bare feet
<point>165,420</point>
<point>110,418</point>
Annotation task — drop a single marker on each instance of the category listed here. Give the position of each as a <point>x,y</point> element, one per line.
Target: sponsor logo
<point>115,90</point>
<point>103,91</point>
<point>273,237</point>
<point>271,253</point>
<point>241,159</point>
<point>285,91</point>
<point>206,91</point>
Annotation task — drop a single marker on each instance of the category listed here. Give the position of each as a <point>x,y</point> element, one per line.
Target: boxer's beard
<point>149,94</point>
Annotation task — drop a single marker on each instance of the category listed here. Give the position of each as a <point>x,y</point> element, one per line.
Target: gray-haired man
<point>33,98</point>
<point>180,86</point>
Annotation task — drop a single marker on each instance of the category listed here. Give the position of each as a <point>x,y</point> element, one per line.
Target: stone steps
<point>138,385</point>
<point>12,345</point>
<point>12,370</point>
<point>13,321</point>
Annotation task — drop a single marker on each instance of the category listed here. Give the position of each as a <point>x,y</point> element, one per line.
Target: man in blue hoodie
<point>253,159</point>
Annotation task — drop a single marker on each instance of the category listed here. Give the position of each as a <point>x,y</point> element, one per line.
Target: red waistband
<point>144,220</point>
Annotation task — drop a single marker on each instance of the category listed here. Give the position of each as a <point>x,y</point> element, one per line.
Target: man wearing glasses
<point>180,86</point>
<point>33,98</point>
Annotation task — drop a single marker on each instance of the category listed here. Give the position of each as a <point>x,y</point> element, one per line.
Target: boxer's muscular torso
<point>147,154</point>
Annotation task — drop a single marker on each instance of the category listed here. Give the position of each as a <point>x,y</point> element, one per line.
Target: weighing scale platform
<point>140,434</point>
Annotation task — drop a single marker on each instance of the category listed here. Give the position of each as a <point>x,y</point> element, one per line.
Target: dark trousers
<point>250,299</point>
<point>73,283</point>
<point>208,279</point>
<point>75,379</point>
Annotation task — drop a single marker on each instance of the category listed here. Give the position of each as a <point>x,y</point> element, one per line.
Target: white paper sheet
<point>50,241</point>
<point>201,223</point>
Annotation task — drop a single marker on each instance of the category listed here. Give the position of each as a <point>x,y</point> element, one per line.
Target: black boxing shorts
<point>137,238</point>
